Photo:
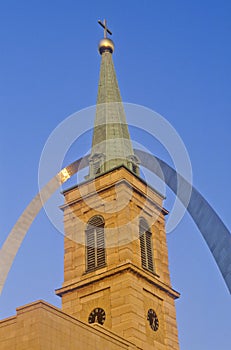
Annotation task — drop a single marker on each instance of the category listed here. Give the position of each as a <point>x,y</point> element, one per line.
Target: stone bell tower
<point>116,271</point>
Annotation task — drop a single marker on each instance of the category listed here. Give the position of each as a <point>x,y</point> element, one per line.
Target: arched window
<point>95,244</point>
<point>146,246</point>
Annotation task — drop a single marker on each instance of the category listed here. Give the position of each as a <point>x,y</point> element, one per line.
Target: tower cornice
<point>104,182</point>
<point>152,279</point>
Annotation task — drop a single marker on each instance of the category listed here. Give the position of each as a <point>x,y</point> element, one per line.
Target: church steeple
<point>116,273</point>
<point>111,144</point>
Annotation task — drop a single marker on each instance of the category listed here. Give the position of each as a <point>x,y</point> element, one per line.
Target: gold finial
<point>105,44</point>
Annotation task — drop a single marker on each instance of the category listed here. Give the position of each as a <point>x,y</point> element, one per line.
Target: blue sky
<point>171,56</point>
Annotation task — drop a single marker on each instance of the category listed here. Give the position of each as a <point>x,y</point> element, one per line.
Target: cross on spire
<point>104,25</point>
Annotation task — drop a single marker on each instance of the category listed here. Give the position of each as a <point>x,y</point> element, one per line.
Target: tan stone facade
<point>40,326</point>
<point>122,288</point>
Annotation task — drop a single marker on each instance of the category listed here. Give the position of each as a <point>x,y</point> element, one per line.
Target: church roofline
<point>57,314</point>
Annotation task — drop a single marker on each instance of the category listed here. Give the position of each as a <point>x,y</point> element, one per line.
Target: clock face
<point>98,315</point>
<point>153,320</point>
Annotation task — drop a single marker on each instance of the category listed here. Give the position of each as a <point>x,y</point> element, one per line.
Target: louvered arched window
<point>146,246</point>
<point>95,244</point>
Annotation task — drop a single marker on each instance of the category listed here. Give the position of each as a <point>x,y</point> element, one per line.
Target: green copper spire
<point>111,145</point>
